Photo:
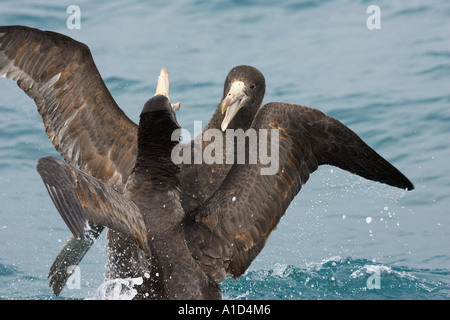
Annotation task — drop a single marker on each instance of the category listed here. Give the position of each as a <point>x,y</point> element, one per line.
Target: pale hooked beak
<point>233,102</point>
<point>162,87</point>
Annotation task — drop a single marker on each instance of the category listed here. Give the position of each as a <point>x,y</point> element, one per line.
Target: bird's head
<point>244,88</point>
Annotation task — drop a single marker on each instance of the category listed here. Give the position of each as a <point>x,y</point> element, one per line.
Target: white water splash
<point>117,289</point>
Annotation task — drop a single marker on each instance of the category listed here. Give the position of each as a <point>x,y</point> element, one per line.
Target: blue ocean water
<point>390,85</point>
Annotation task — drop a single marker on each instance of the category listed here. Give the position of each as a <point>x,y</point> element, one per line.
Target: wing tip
<point>48,162</point>
<point>399,180</point>
<point>409,186</point>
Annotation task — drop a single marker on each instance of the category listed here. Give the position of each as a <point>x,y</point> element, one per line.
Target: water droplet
<point>368,219</point>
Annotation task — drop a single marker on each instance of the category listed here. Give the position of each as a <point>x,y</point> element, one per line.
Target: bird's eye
<point>253,86</point>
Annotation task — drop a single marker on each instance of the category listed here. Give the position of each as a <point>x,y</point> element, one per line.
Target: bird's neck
<point>153,162</point>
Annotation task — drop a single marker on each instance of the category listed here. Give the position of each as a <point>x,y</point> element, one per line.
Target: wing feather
<point>72,253</point>
<point>83,201</point>
<point>80,116</point>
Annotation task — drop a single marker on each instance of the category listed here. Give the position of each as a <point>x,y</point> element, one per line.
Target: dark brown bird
<point>149,211</point>
<point>198,180</point>
<point>95,136</point>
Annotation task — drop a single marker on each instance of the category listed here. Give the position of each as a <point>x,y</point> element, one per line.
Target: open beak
<point>162,87</point>
<point>232,102</point>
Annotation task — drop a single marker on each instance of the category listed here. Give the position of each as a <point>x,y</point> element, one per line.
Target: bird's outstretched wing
<point>229,231</point>
<point>83,200</point>
<point>80,116</point>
